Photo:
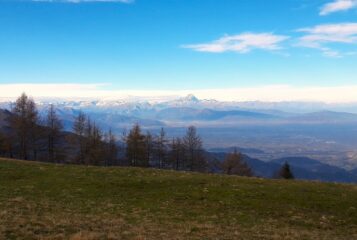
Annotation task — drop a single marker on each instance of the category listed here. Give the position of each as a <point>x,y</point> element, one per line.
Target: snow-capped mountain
<point>158,112</point>
<point>131,104</point>
<point>280,129</point>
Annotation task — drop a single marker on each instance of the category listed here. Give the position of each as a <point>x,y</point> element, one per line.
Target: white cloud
<point>338,5</point>
<point>321,36</point>
<point>341,30</point>
<point>277,93</point>
<point>241,43</point>
<point>46,90</point>
<point>337,94</point>
<point>83,1</point>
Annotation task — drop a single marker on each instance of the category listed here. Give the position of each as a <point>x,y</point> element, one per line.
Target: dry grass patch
<point>43,201</point>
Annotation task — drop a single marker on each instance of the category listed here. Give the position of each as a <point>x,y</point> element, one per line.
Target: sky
<point>269,50</point>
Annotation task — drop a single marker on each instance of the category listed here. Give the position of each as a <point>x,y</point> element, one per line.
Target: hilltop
<point>46,201</point>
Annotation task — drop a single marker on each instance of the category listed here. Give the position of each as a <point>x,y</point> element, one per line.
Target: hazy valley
<point>265,131</point>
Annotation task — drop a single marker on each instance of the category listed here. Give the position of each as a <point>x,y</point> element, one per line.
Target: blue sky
<point>179,44</point>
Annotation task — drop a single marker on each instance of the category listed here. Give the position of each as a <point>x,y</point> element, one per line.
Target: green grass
<point>44,201</point>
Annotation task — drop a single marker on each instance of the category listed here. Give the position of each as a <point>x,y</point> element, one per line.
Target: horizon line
<point>263,93</point>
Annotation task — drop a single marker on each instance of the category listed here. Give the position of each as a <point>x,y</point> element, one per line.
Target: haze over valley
<point>263,130</point>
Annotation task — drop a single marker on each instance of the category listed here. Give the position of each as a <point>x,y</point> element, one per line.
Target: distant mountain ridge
<point>188,109</point>
<point>192,101</point>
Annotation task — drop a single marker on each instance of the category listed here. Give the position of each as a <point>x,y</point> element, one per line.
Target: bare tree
<point>54,127</point>
<point>95,147</point>
<point>91,141</point>
<point>177,153</point>
<point>124,138</point>
<point>88,131</point>
<point>2,145</point>
<point>194,152</point>
<point>161,150</point>
<point>6,145</point>
<point>235,165</point>
<point>149,143</point>
<point>79,127</point>
<point>111,149</point>
<point>135,147</point>
<point>25,124</point>
<point>34,128</point>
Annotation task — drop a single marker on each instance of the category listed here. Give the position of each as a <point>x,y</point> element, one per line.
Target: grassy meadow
<point>46,201</point>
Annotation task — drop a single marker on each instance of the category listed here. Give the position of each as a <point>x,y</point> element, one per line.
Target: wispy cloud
<point>321,36</point>
<point>84,1</point>
<point>337,6</point>
<point>241,43</point>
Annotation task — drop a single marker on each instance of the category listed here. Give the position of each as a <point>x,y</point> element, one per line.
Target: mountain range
<point>188,109</point>
<point>276,130</point>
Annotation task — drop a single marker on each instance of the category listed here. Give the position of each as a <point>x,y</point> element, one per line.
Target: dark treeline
<point>27,136</point>
<point>158,151</point>
<point>31,137</point>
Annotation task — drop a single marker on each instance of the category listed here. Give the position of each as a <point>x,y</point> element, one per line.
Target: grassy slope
<point>43,201</point>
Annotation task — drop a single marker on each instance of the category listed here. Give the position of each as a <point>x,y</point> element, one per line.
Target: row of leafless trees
<point>31,137</point>
<point>158,151</point>
<point>27,136</point>
<point>139,149</point>
<point>93,146</point>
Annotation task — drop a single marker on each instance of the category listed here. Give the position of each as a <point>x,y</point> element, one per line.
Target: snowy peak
<point>190,98</point>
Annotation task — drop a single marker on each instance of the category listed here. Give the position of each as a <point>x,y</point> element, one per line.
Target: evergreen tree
<point>285,172</point>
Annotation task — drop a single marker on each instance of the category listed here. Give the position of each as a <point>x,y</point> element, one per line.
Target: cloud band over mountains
<point>268,93</point>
